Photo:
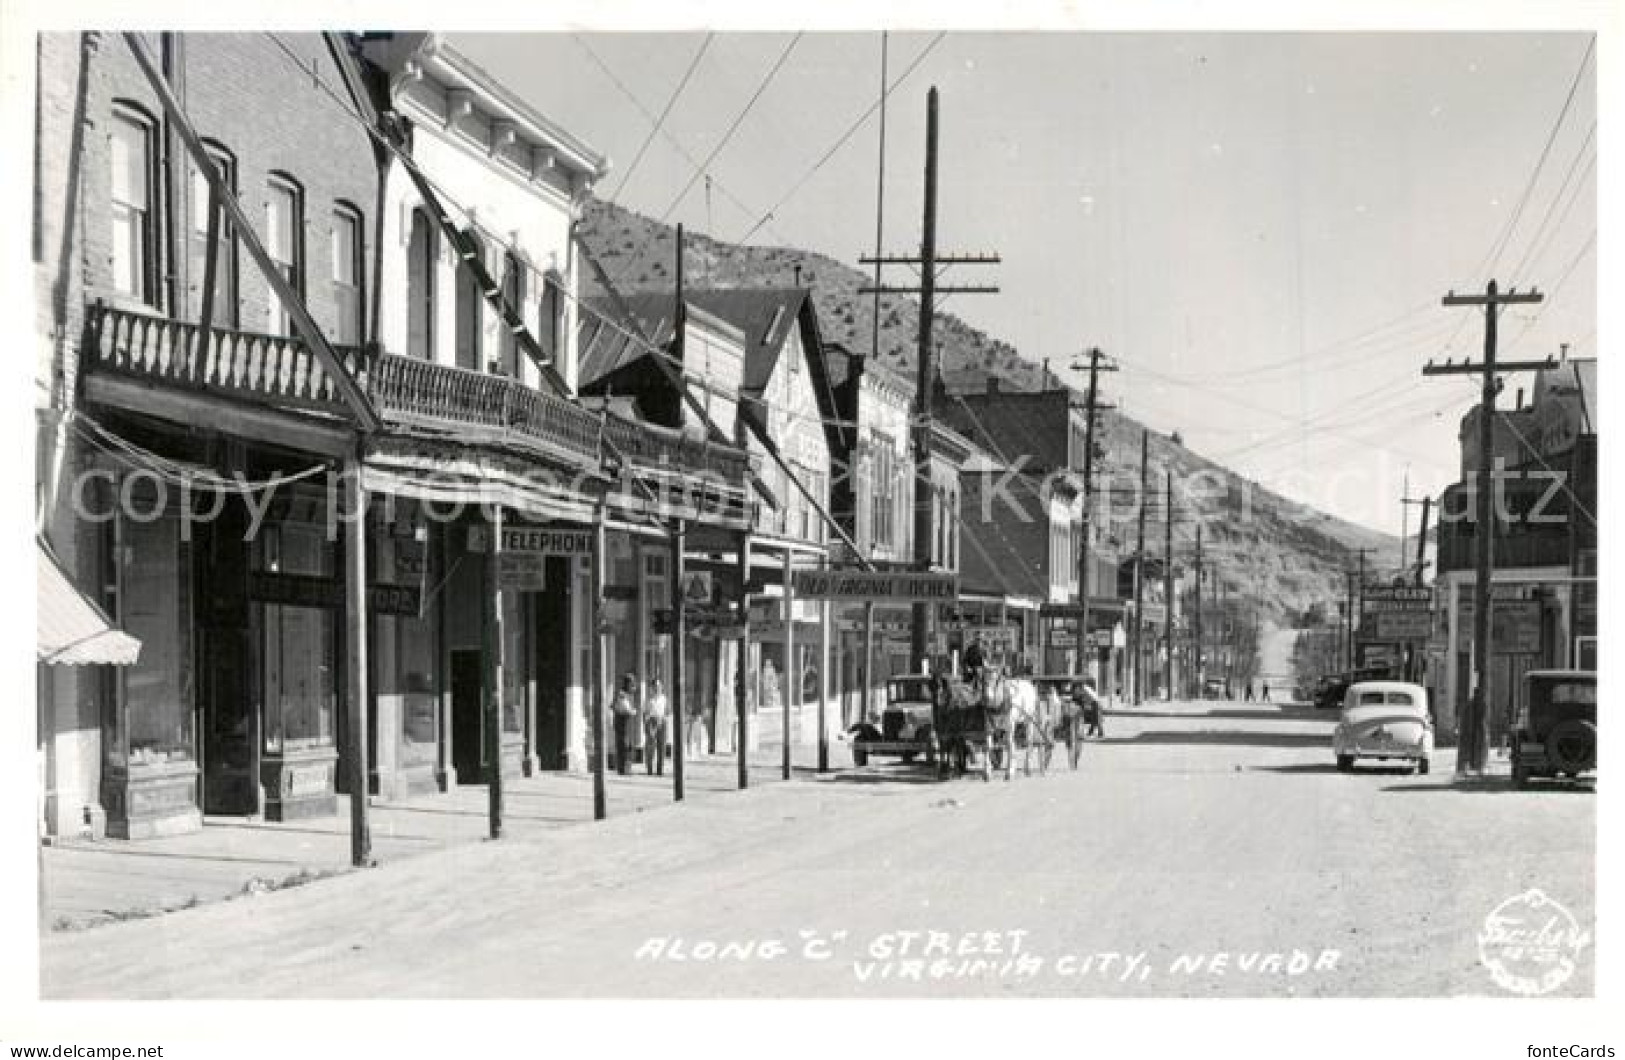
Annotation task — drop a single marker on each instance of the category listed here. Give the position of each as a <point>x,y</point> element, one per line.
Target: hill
<point>1262,546</point>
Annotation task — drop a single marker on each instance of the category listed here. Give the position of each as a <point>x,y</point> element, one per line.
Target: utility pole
<point>1168,581</point>
<point>1139,575</point>
<point>1086,649</point>
<point>1360,582</point>
<point>1348,621</point>
<point>926,367</point>
<point>1198,666</point>
<point>1406,502</point>
<point>679,625</point>
<point>1474,734</point>
<point>1422,540</point>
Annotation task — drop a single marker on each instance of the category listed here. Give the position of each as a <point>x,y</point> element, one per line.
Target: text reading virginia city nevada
<point>844,514</point>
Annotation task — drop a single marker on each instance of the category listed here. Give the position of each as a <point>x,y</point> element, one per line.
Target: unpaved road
<point>1192,845</point>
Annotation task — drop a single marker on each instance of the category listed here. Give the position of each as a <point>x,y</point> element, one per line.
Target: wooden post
<point>493,645</point>
<point>790,694</point>
<point>679,631</point>
<point>868,655</point>
<point>742,673</point>
<point>355,665</point>
<point>823,683</point>
<point>600,754</point>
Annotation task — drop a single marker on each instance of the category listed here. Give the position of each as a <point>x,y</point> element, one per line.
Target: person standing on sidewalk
<point>625,710</point>
<point>656,731</point>
<point>1089,700</point>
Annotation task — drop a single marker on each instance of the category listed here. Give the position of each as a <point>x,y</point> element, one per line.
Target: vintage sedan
<point>906,727</point>
<point>1555,734</point>
<point>1386,720</point>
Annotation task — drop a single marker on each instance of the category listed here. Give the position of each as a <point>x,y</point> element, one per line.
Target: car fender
<point>863,731</point>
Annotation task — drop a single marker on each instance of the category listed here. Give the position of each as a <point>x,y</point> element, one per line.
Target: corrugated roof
<point>71,629</point>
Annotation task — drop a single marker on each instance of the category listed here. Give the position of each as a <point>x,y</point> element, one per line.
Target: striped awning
<point>72,630</point>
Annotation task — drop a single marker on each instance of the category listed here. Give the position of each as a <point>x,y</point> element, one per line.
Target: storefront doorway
<point>467,686</point>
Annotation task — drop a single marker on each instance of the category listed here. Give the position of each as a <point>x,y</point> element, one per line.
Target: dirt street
<point>1200,850</point>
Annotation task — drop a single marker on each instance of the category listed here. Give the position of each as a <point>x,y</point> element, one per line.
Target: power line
<point>676,144</point>
<point>841,141</point>
<point>1541,231</point>
<point>660,122</point>
<point>1523,200</point>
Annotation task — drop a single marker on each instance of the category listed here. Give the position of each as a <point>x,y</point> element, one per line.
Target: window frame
<point>146,269</point>
<point>348,213</point>
<point>275,182</point>
<point>224,311</point>
<point>424,300</point>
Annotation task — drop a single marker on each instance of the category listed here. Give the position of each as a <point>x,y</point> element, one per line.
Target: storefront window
<point>160,722</point>
<point>298,648</point>
<point>408,651</point>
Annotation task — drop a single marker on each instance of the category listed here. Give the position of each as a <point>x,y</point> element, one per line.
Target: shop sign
<point>524,572</point>
<point>1403,625</point>
<point>1100,638</point>
<point>1514,627</point>
<point>994,638</point>
<point>1063,638</point>
<point>308,590</point>
<point>1390,599</point>
<point>547,541</point>
<point>696,587</point>
<point>874,585</point>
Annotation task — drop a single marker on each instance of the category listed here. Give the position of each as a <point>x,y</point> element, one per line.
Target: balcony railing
<point>647,445</point>
<point>281,372</point>
<point>267,369</point>
<point>406,389</point>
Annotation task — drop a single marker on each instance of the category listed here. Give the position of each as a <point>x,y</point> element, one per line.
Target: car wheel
<point>1572,745</point>
<point>860,757</point>
<point>1345,763</point>
<point>908,757</point>
<point>1422,766</point>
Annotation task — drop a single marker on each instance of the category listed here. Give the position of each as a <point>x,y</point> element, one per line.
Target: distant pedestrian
<point>975,660</point>
<point>656,729</point>
<point>625,710</point>
<point>1266,691</point>
<point>1249,694</point>
<point>1092,712</point>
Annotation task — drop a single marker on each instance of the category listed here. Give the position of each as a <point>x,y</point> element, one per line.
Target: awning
<point>73,631</point>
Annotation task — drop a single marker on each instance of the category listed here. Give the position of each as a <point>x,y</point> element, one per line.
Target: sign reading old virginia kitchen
<point>874,585</point>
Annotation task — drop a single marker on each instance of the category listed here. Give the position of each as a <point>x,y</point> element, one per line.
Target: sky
<point>1258,227</point>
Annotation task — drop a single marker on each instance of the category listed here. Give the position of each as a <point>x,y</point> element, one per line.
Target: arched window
<point>468,312</point>
<point>420,260</point>
<point>133,161</point>
<point>507,344</point>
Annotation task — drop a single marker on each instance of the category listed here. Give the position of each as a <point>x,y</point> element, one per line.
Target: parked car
<point>905,729</point>
<point>1213,688</point>
<point>1331,689</point>
<point>1555,732</point>
<point>1388,720</point>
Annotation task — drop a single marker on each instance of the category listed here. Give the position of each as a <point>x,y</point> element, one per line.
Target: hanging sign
<point>547,541</point>
<point>874,585</point>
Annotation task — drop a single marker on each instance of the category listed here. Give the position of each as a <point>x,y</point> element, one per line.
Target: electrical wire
<point>784,56</point>
<point>841,140</point>
<point>665,112</point>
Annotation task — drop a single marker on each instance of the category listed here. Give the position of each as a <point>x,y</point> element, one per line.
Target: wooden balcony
<point>262,369</point>
<point>275,374</point>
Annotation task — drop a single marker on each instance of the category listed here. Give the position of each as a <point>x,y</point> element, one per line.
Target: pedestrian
<point>625,710</point>
<point>975,660</point>
<point>697,734</point>
<point>656,729</point>
<point>1249,696</point>
<point>1092,712</point>
<point>1266,691</point>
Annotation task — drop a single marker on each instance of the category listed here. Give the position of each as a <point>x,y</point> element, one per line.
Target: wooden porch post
<point>494,644</point>
<point>742,672</point>
<point>355,666</point>
<point>679,634</point>
<point>790,699</point>
<point>823,681</point>
<point>600,754</point>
